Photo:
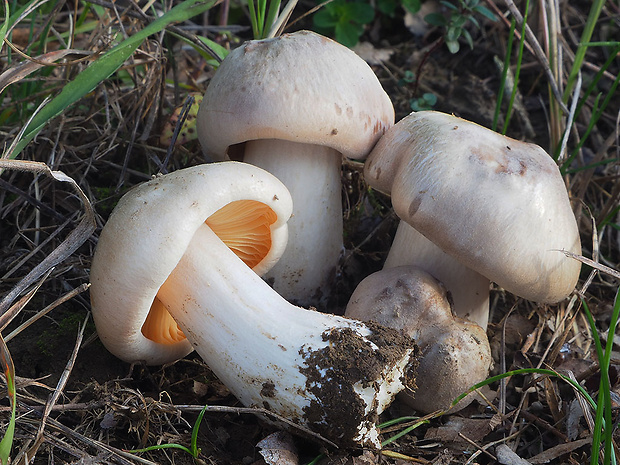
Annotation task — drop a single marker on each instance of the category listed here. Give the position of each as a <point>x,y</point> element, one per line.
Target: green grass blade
<point>580,54</point>
<point>586,95</point>
<point>195,450</point>
<point>596,434</point>
<point>272,13</point>
<point>217,51</point>
<point>515,84</point>
<point>612,43</point>
<point>4,27</point>
<point>604,405</point>
<point>404,432</point>
<point>262,14</point>
<point>9,372</point>
<point>524,371</point>
<point>161,447</point>
<point>597,112</point>
<point>253,18</point>
<point>105,66</point>
<point>502,84</point>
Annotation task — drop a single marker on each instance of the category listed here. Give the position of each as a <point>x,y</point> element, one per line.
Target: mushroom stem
<point>468,290</point>
<point>309,262</point>
<point>327,372</point>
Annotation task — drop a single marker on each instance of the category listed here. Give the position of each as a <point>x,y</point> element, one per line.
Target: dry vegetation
<point>78,404</point>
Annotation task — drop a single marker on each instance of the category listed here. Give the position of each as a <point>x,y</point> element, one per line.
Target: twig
<point>12,312</point>
<point>597,266</point>
<point>480,448</point>
<point>61,300</point>
<point>571,118</point>
<point>53,398</point>
<point>540,422</point>
<point>36,250</point>
<point>256,411</point>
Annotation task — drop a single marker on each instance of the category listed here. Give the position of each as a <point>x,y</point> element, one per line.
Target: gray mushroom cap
<point>300,87</point>
<point>497,205</point>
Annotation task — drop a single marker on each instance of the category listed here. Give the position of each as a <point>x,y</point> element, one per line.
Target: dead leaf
<point>278,449</point>
<point>550,455</point>
<point>371,55</point>
<point>506,456</point>
<point>26,68</point>
<point>416,23</point>
<point>474,429</point>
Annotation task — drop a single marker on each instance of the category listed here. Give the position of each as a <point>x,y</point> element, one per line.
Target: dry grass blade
<point>108,140</point>
<point>113,455</point>
<point>9,375</point>
<point>69,295</point>
<point>75,239</point>
<point>260,412</point>
<point>25,69</point>
<point>540,55</point>
<point>597,266</point>
<point>8,316</point>
<point>53,398</point>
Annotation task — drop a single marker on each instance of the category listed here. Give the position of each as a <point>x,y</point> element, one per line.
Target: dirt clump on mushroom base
<point>347,364</point>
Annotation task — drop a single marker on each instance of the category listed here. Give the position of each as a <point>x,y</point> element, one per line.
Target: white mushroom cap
<point>498,205</point>
<point>298,103</point>
<point>300,87</point>
<point>455,352</point>
<point>136,254</point>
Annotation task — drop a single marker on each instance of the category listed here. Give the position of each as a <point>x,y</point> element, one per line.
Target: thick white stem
<point>329,373</point>
<point>312,175</point>
<point>469,289</point>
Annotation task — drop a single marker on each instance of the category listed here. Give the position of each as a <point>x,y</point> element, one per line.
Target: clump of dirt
<point>349,364</point>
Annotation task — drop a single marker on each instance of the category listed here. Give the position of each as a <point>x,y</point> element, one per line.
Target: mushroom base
<point>455,353</point>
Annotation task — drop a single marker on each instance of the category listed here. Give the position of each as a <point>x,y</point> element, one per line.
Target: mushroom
<point>468,290</point>
<point>455,353</point>
<point>295,105</point>
<point>498,206</point>
<point>186,243</point>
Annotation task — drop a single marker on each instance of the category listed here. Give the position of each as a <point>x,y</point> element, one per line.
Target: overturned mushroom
<point>295,105</point>
<point>160,248</point>
<point>455,353</point>
<point>496,205</point>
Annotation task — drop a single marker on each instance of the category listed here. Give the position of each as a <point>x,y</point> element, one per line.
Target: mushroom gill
<point>244,226</point>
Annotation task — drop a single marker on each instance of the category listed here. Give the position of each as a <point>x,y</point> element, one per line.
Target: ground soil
<point>107,406</point>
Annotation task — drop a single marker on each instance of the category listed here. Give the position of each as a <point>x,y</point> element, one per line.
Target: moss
<point>60,337</point>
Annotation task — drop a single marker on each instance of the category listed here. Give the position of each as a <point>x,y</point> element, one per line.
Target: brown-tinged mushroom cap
<point>148,233</point>
<point>294,105</point>
<point>455,352</point>
<point>300,87</point>
<point>498,205</point>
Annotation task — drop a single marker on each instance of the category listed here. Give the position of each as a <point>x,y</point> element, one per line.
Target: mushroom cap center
<point>245,227</point>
